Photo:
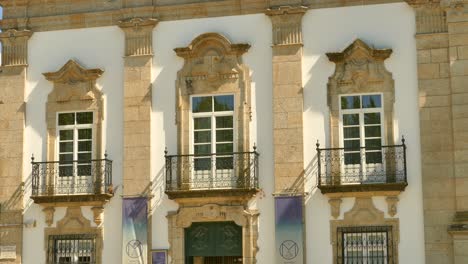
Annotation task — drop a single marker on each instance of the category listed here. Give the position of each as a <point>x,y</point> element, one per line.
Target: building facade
<point>231,131</point>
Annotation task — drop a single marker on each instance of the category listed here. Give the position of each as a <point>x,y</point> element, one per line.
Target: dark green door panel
<point>213,239</point>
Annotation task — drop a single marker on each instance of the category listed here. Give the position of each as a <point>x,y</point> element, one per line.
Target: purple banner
<point>289,230</point>
<point>135,230</point>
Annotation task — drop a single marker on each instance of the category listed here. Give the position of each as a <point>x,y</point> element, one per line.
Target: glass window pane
<point>65,171</point>
<point>352,144</point>
<point>371,118</point>
<point>224,148</point>
<point>66,119</point>
<point>352,119</point>
<point>224,103</point>
<point>224,135</point>
<point>66,147</point>
<point>373,144</point>
<point>203,149</point>
<point>351,132</point>
<point>224,122</point>
<point>65,157</point>
<point>202,123</point>
<point>202,104</point>
<point>84,118</point>
<point>371,101</point>
<point>202,136</point>
<point>85,133</point>
<point>350,102</point>
<point>224,163</point>
<point>84,170</point>
<point>202,163</point>
<point>372,131</point>
<point>66,134</point>
<point>85,157</point>
<point>84,146</point>
<point>352,158</point>
<point>373,157</point>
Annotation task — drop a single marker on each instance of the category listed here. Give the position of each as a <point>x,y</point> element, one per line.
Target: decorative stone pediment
<point>211,60</point>
<point>73,219</point>
<point>73,73</point>
<point>359,64</point>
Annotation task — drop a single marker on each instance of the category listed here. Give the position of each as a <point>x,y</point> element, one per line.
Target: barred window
<point>72,249</point>
<point>365,245</point>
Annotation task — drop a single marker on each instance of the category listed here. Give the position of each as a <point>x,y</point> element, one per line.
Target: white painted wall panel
<point>48,52</point>
<point>332,30</point>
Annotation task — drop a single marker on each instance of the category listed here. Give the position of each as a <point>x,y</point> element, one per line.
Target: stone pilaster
<point>457,20</point>
<point>12,118</point>
<point>288,99</point>
<point>137,104</point>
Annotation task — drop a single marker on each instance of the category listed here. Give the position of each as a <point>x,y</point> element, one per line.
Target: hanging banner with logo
<point>289,230</point>
<point>135,230</point>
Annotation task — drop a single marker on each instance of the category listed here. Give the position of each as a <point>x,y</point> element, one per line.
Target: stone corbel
<point>335,206</point>
<point>49,215</point>
<point>138,36</point>
<point>392,202</point>
<point>15,47</point>
<point>98,212</point>
<point>287,24</point>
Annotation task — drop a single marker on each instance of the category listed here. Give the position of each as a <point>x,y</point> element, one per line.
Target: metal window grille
<point>365,245</point>
<point>72,249</point>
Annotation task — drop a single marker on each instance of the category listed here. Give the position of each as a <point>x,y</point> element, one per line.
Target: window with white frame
<point>75,151</point>
<point>213,135</point>
<point>362,126</point>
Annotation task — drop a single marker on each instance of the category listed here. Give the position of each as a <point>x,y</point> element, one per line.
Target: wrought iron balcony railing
<point>362,169</point>
<point>226,171</point>
<point>71,178</point>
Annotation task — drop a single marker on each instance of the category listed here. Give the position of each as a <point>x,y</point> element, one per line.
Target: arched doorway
<point>213,243</point>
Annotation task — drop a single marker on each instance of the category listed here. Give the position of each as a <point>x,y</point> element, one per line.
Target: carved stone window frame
<point>211,212</point>
<point>360,69</point>
<point>213,66</point>
<point>364,213</point>
<point>74,90</point>
<point>74,223</point>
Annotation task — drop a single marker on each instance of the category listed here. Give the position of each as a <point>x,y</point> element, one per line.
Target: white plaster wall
<point>332,30</point>
<point>254,30</point>
<point>48,52</point>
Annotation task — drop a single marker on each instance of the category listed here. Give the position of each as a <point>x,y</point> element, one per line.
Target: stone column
<point>12,122</point>
<point>457,21</point>
<point>137,104</point>
<point>288,99</point>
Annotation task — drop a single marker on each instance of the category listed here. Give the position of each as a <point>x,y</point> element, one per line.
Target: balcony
<point>72,181</point>
<point>226,174</point>
<point>365,169</point>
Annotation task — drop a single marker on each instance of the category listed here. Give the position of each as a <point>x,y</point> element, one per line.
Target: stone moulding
<point>287,25</point>
<point>211,212</point>
<point>364,213</point>
<point>73,73</point>
<point>213,65</point>
<point>360,69</point>
<point>15,47</point>
<point>74,223</point>
<point>138,36</point>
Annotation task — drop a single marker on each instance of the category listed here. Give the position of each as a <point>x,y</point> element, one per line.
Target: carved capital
<point>138,36</point>
<point>49,215</point>
<point>392,202</point>
<point>15,47</point>
<point>335,206</point>
<point>287,24</point>
<point>98,212</point>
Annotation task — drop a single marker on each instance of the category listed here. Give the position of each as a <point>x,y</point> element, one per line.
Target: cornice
<point>96,13</point>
